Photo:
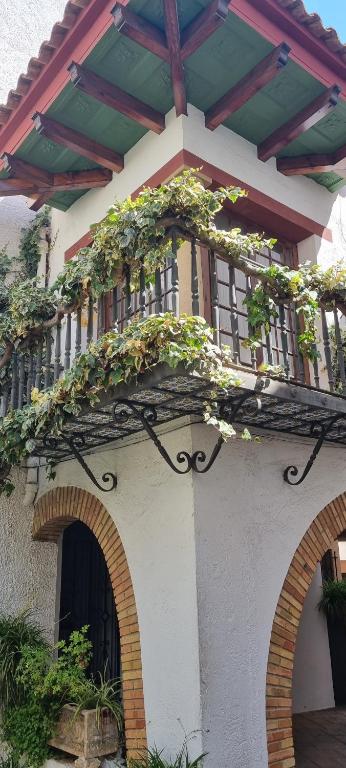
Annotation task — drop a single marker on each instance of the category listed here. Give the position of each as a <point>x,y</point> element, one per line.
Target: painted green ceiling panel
<point>82,113</point>
<point>39,151</point>
<point>128,65</point>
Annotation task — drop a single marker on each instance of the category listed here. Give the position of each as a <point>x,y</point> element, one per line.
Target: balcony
<point>303,398</point>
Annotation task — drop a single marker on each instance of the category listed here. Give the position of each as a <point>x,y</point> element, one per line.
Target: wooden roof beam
<point>203,26</point>
<point>21,169</point>
<point>38,201</point>
<point>11,187</point>
<point>74,180</point>
<point>141,31</point>
<point>115,98</point>
<point>78,142</point>
<point>61,182</point>
<point>300,123</point>
<point>150,37</point>
<point>334,162</point>
<point>173,42</point>
<point>248,86</point>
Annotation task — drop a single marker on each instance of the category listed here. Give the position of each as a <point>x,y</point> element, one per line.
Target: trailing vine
<point>136,233</point>
<point>115,359</point>
<point>29,247</point>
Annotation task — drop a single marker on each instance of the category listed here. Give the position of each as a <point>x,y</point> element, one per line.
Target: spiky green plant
<point>15,633</point>
<point>333,600</point>
<point>153,758</point>
<point>102,695</point>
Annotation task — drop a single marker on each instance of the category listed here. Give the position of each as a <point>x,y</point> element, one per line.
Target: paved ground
<point>320,739</point>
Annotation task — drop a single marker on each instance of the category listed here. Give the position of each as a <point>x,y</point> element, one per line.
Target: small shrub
<point>333,600</point>
<point>153,758</point>
<point>16,632</point>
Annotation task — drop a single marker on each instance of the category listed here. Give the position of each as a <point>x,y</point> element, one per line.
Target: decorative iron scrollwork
<point>147,415</point>
<point>76,444</point>
<point>319,431</point>
<point>229,409</point>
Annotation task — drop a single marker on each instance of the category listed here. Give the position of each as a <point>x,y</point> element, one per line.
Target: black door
<point>87,598</point>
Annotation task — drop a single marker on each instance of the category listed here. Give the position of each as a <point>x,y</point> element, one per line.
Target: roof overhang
<point>115,72</point>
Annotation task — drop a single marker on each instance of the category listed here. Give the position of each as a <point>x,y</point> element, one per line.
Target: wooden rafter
<point>21,169</point>
<point>300,123</point>
<point>334,162</point>
<point>38,201</point>
<point>67,181</point>
<point>141,31</point>
<point>203,26</point>
<point>78,142</point>
<point>248,86</point>
<point>176,63</point>
<point>115,98</point>
<point>154,40</point>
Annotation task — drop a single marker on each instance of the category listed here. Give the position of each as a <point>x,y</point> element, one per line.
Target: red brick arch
<point>327,526</point>
<point>55,511</point>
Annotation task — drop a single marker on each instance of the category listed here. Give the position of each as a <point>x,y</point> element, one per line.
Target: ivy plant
<point>115,359</point>
<point>137,233</point>
<point>29,247</point>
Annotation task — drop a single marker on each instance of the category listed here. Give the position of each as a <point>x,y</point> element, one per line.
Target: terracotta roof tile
<point>314,23</point>
<point>36,64</point>
<point>73,9</point>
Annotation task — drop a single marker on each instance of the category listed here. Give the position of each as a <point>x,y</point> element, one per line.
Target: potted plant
<point>333,600</point>
<point>53,702</point>
<point>90,727</point>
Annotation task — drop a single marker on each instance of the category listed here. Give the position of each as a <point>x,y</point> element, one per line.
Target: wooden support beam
<point>334,162</point>
<point>141,31</point>
<point>11,187</point>
<point>300,166</point>
<point>61,182</point>
<point>177,69</point>
<point>21,169</point>
<point>77,142</point>
<point>203,26</point>
<point>74,180</point>
<point>38,201</point>
<point>150,37</point>
<point>248,86</point>
<point>116,98</point>
<point>300,123</point>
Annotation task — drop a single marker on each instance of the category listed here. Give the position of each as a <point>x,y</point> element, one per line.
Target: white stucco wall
<point>153,511</point>
<point>312,674</point>
<point>14,215</point>
<point>219,544</point>
<point>222,148</point>
<point>249,523</point>
<point>27,568</point>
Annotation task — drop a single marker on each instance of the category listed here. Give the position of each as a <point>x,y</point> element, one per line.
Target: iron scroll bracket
<point>197,461</point>
<point>147,415</point>
<point>76,444</point>
<point>320,431</point>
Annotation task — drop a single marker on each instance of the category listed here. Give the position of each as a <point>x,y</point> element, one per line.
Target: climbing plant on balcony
<point>137,233</point>
<point>115,359</point>
<point>136,236</point>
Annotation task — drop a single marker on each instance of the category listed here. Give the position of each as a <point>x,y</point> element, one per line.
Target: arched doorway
<point>54,513</point>
<point>319,538</point>
<point>86,598</point>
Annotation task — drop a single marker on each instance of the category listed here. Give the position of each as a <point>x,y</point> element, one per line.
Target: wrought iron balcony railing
<point>194,281</point>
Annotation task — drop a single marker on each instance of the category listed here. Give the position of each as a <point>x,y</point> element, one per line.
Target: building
<point>214,575</point>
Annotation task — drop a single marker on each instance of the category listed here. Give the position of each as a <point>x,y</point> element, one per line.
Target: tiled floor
<point>320,739</point>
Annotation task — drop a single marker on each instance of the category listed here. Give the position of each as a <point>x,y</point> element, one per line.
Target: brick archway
<point>55,511</point>
<point>326,527</point>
